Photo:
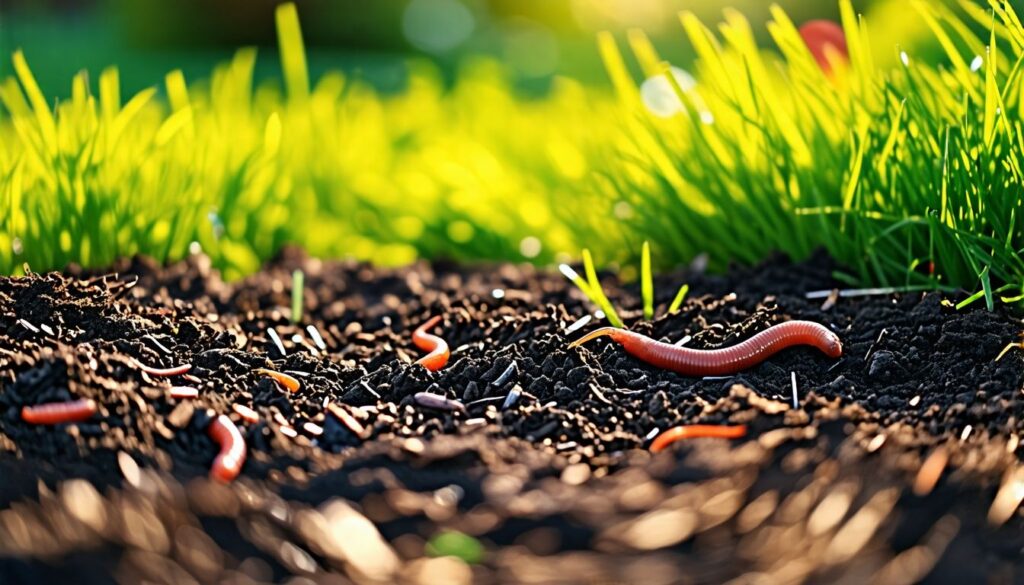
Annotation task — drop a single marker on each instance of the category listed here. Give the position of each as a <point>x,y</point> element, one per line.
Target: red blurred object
<point>818,34</point>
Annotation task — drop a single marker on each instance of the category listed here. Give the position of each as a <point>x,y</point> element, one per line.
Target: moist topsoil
<point>897,463</point>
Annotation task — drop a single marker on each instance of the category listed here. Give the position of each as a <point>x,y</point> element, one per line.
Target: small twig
<point>317,339</point>
<point>485,400</point>
<point>370,390</point>
<point>796,400</point>
<point>600,396</point>
<point>1009,346</point>
<point>28,326</point>
<point>277,341</point>
<point>867,292</point>
<point>159,345</point>
<point>871,350</point>
<point>509,371</point>
<point>579,324</point>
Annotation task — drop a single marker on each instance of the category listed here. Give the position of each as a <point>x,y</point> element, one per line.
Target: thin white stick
<point>277,341</point>
<point>796,401</point>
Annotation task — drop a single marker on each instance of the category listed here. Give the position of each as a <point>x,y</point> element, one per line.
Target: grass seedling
<point>591,287</point>
<point>646,281</point>
<point>597,291</point>
<point>679,298</point>
<point>298,284</point>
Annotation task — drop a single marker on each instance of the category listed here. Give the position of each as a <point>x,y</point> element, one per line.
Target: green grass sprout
<point>597,291</point>
<point>647,281</point>
<point>298,286</point>
<point>591,287</point>
<point>679,298</point>
<point>451,543</point>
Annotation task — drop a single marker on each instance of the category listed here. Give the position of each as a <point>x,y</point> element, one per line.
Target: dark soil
<point>900,463</point>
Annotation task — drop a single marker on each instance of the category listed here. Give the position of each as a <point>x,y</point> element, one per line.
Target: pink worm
<point>228,462</point>
<point>54,413</point>
<point>721,362</point>
<point>163,372</point>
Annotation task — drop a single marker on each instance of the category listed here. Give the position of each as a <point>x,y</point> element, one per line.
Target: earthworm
<point>53,413</point>
<point>228,462</point>
<point>729,360</point>
<point>163,372</point>
<point>438,348</point>
<point>288,382</point>
<point>184,392</point>
<point>697,432</point>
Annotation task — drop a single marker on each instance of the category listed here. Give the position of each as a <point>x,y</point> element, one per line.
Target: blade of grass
<point>298,286</point>
<point>678,300</point>
<point>647,281</point>
<point>597,292</point>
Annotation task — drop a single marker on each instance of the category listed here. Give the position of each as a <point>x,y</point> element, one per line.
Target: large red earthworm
<point>53,413</point>
<point>163,372</point>
<point>286,381</point>
<point>728,360</point>
<point>228,462</point>
<point>697,432</point>
<point>438,348</point>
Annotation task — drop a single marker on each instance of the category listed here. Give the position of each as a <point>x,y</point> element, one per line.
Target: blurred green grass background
<point>536,39</point>
<point>501,130</point>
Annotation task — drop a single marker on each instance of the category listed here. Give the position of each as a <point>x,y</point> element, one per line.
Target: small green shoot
<point>597,292</point>
<point>576,279</point>
<point>591,287</point>
<point>647,281</point>
<point>298,284</point>
<point>680,297</point>
<point>451,543</point>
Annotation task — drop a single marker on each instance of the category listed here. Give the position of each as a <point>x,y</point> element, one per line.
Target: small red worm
<point>287,382</point>
<point>163,372</point>
<point>438,348</point>
<point>696,432</point>
<point>53,413</point>
<point>228,462</point>
<point>721,362</point>
<point>184,392</point>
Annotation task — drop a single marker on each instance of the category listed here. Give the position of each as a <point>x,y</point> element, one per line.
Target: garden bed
<point>899,461</point>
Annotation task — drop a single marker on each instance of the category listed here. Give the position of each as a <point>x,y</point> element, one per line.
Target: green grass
<point>243,168</point>
<point>591,287</point>
<point>908,174</point>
